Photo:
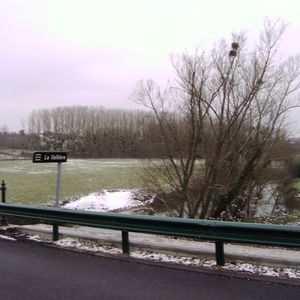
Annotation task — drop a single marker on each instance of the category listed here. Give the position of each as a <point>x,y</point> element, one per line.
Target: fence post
<point>220,256</point>
<point>3,200</point>
<point>125,242</point>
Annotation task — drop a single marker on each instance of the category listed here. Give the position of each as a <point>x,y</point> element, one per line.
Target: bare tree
<point>219,120</point>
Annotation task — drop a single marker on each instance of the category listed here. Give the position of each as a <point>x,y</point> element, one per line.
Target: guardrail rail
<point>216,231</point>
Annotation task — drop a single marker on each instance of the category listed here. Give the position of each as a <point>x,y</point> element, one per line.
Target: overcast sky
<point>92,52</point>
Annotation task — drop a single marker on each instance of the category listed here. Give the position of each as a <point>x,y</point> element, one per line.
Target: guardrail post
<point>220,256</point>
<point>4,221</point>
<point>55,233</point>
<point>125,242</point>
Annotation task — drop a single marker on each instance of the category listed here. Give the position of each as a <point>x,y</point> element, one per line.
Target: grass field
<point>35,183</point>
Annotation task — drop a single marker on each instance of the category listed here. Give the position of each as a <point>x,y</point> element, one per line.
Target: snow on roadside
<point>35,238</point>
<point>263,270</point>
<point>5,237</point>
<point>106,201</point>
<point>162,257</point>
<point>87,246</point>
<point>185,260</point>
<point>94,247</point>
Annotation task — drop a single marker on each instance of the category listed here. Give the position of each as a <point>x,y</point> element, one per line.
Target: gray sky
<point>92,52</point>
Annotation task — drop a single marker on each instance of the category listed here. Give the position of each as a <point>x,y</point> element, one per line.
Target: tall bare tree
<point>219,120</point>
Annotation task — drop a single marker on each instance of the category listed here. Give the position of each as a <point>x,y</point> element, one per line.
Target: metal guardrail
<point>217,231</point>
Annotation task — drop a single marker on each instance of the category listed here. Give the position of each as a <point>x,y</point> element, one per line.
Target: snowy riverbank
<point>107,201</point>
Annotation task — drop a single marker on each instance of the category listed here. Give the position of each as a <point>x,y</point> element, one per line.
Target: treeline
<point>97,132</point>
<point>14,140</point>
<point>94,132</point>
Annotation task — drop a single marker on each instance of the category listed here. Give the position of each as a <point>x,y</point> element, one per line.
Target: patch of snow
<point>88,246</point>
<point>34,238</point>
<point>266,204</point>
<point>40,172</point>
<point>106,201</point>
<point>294,223</point>
<point>185,260</point>
<point>5,237</point>
<point>263,270</point>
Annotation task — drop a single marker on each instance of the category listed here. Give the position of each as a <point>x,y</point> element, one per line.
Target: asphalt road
<point>33,271</point>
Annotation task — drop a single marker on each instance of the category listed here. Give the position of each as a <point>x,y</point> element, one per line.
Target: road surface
<point>33,271</point>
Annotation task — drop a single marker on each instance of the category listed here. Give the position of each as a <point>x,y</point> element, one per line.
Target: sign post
<point>52,157</point>
<point>58,175</point>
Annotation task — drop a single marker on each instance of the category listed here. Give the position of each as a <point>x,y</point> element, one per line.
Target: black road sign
<point>49,157</point>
